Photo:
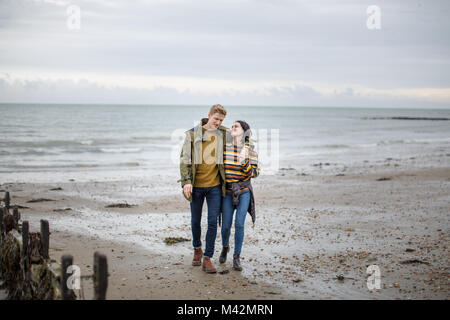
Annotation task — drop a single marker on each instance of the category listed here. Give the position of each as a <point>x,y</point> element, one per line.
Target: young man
<point>203,177</point>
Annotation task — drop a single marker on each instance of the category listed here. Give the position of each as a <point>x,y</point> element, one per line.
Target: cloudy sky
<point>234,52</point>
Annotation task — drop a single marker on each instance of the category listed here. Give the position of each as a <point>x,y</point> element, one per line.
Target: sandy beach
<point>347,117</point>
<point>316,233</point>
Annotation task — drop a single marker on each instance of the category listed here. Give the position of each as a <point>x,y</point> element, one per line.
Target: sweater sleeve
<point>250,166</point>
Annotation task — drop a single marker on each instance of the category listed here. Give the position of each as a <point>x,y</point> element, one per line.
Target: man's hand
<point>243,155</point>
<point>187,190</point>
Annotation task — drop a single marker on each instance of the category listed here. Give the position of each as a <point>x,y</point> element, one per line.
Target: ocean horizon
<point>44,142</point>
<point>424,108</point>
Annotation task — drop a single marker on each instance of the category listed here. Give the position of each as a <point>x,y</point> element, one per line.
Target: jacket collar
<point>198,138</point>
<point>205,121</point>
<point>198,132</point>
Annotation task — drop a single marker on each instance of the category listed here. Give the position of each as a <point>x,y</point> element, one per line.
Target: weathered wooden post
<point>1,220</point>
<point>45,238</point>
<point>7,200</point>
<point>100,276</point>
<point>25,258</point>
<point>26,262</point>
<point>25,230</point>
<point>16,216</point>
<point>66,292</point>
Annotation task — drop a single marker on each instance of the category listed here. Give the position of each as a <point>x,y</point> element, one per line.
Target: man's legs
<point>214,201</point>
<point>198,197</point>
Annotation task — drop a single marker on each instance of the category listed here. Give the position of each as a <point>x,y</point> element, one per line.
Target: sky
<point>233,52</point>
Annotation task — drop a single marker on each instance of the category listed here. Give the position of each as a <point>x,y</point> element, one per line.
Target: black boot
<point>223,254</point>
<point>236,262</point>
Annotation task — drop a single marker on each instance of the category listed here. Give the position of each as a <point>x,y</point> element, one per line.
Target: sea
<point>61,142</point>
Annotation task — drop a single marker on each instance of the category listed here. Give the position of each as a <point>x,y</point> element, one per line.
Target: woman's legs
<point>239,223</point>
<point>227,219</point>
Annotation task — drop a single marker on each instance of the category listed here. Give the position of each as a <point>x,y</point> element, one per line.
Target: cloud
<point>246,46</point>
<point>85,90</point>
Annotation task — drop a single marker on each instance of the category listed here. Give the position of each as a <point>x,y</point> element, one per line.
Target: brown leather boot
<point>208,266</point>
<point>198,253</point>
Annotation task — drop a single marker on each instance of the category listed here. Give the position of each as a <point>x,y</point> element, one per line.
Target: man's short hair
<point>218,108</point>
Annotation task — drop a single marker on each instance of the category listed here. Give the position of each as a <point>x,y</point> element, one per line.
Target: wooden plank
<point>1,221</point>
<point>66,261</point>
<point>25,230</point>
<point>45,238</point>
<point>100,276</point>
<point>16,216</point>
<point>7,200</point>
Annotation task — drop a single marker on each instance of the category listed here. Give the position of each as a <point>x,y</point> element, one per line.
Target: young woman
<point>241,164</point>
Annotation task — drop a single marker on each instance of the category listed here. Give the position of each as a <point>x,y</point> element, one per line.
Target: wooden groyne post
<point>37,270</point>
<point>1,223</point>
<point>66,292</point>
<point>16,216</point>
<point>100,276</point>
<point>45,238</point>
<point>7,200</point>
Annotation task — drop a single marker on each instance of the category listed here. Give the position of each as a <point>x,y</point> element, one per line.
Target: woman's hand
<point>243,155</point>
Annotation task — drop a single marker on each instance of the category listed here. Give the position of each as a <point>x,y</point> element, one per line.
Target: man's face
<point>215,120</point>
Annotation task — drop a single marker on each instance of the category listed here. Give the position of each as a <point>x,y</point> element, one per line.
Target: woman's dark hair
<point>247,132</point>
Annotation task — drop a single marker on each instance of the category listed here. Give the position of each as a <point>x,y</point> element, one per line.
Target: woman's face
<point>236,130</point>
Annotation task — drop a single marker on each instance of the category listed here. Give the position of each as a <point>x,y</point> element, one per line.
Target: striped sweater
<point>234,170</point>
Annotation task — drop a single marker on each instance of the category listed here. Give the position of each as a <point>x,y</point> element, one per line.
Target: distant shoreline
<point>200,105</point>
<point>406,118</point>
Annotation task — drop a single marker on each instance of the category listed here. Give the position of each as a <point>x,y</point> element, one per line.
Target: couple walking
<point>217,164</point>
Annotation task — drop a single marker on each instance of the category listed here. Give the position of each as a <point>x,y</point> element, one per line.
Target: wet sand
<point>316,233</point>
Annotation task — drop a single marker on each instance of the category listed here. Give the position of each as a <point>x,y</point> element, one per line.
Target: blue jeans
<point>213,197</point>
<point>227,219</point>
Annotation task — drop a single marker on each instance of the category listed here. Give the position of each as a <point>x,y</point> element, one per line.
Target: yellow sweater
<point>207,172</point>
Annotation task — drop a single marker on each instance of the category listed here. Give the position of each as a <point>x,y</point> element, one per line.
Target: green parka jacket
<point>191,153</point>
